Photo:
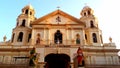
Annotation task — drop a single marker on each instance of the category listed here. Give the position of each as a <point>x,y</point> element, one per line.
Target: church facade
<point>58,33</point>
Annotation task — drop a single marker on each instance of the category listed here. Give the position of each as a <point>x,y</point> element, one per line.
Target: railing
<point>15,61</point>
<point>52,43</point>
<point>65,42</point>
<point>15,46</point>
<point>43,42</point>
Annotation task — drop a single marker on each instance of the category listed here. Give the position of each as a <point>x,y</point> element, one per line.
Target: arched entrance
<point>58,37</point>
<point>57,61</point>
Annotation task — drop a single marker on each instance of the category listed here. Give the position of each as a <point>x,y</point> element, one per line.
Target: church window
<point>29,37</point>
<point>30,24</point>
<point>101,38</point>
<point>30,13</point>
<point>23,23</point>
<point>84,14</point>
<point>77,39</point>
<point>94,37</point>
<point>88,12</point>
<point>13,37</point>
<point>58,37</point>
<point>91,24</point>
<point>85,36</point>
<point>26,12</point>
<point>20,37</point>
<point>38,39</point>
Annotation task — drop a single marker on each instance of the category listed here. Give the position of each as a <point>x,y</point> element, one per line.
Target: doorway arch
<point>58,37</point>
<point>57,61</point>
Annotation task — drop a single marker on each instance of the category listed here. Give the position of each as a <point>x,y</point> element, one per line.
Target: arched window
<point>20,37</point>
<point>29,37</point>
<point>26,12</point>
<point>30,13</point>
<point>23,22</point>
<point>58,37</point>
<point>30,24</point>
<point>77,39</point>
<point>101,38</point>
<point>13,37</point>
<point>91,24</point>
<point>88,12</point>
<point>94,37</point>
<point>85,36</point>
<point>84,14</point>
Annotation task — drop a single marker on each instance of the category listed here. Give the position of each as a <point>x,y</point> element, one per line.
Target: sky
<point>107,12</point>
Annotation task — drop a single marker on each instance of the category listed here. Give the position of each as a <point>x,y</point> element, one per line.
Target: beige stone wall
<point>8,57</point>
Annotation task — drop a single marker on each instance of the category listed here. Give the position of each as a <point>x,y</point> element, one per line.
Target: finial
<point>86,4</point>
<point>4,38</point>
<point>29,2</point>
<point>110,39</point>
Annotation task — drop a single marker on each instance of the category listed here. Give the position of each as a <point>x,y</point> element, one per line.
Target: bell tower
<point>27,16</point>
<point>93,34</point>
<point>21,34</point>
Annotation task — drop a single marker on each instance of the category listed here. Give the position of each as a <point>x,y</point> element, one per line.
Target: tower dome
<point>86,8</point>
<point>86,11</point>
<point>28,7</point>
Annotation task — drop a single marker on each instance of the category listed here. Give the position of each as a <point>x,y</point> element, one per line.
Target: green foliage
<point>32,51</point>
<point>32,57</point>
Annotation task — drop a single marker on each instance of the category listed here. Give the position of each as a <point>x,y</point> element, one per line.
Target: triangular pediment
<point>57,17</point>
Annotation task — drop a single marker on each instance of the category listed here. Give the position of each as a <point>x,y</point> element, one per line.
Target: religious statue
<point>38,39</point>
<point>77,39</point>
<point>80,57</point>
<point>58,19</point>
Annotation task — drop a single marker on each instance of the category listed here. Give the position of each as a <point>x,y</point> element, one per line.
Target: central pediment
<point>57,17</point>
